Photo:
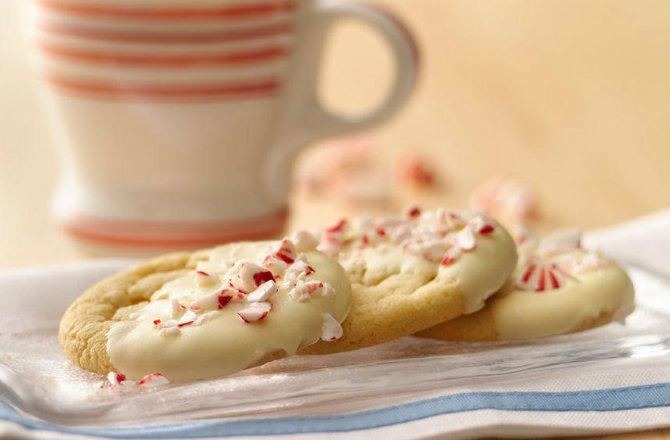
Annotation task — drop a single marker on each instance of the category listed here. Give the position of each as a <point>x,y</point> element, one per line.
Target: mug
<point>181,119</point>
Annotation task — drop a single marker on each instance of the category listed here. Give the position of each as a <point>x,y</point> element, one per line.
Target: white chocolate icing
<point>460,248</point>
<point>559,288</point>
<point>520,314</point>
<point>234,337</point>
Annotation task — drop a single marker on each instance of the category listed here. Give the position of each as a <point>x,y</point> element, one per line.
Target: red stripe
<point>526,276</point>
<point>233,12</point>
<point>128,233</point>
<point>541,283</point>
<point>174,61</point>
<point>554,281</point>
<point>260,88</point>
<point>165,37</point>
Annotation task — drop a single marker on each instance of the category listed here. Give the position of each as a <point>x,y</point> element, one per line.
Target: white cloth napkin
<point>642,242</point>
<point>628,394</point>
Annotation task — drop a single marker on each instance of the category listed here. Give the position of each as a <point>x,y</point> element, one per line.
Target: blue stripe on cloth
<point>613,399</point>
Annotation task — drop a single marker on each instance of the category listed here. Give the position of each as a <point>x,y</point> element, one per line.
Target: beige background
<point>570,96</point>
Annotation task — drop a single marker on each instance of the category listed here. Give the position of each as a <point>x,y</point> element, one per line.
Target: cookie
<point>557,288</point>
<point>414,271</point>
<point>208,314</point>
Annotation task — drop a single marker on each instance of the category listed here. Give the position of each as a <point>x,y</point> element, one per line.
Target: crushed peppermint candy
<point>438,235</point>
<point>254,284</point>
<point>272,263</point>
<point>187,319</point>
<point>117,380</point>
<point>549,263</point>
<point>176,309</point>
<point>255,312</point>
<point>506,198</point>
<point>223,300</point>
<point>286,251</point>
<point>303,291</point>
<point>248,276</point>
<point>415,170</point>
<point>153,379</point>
<point>450,256</point>
<point>263,292</point>
<point>331,330</point>
<point>332,238</point>
<point>465,239</point>
<point>205,302</point>
<point>337,228</point>
<point>539,276</point>
<point>413,212</point>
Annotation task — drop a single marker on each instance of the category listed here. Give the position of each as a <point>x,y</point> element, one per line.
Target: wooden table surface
<point>569,96</point>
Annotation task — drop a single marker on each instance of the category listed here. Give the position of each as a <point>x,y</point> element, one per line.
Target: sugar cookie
<point>557,288</point>
<point>411,272</point>
<point>208,314</point>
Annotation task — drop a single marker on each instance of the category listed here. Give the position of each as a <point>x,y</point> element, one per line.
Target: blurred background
<point>565,102</point>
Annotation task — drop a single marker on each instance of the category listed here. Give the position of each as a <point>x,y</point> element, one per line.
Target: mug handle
<point>305,119</point>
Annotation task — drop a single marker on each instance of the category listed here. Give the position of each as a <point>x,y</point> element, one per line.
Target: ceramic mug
<point>182,118</point>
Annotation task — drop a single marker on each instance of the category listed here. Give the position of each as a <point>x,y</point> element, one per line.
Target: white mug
<point>182,119</point>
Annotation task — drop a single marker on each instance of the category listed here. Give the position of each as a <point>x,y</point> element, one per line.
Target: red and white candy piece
<point>226,296</point>
<point>432,250</point>
<point>331,330</point>
<point>274,264</point>
<point>187,319</point>
<point>263,292</point>
<point>338,228</point>
<point>329,247</point>
<point>413,212</point>
<point>155,379</point>
<point>205,302</point>
<point>248,276</point>
<point>176,308</point>
<point>299,270</point>
<point>450,256</point>
<point>539,276</point>
<point>286,251</point>
<point>190,318</point>
<point>115,379</point>
<point>481,225</point>
<point>215,300</point>
<point>304,291</point>
<point>332,238</point>
<point>255,312</point>
<point>465,239</point>
<point>415,170</point>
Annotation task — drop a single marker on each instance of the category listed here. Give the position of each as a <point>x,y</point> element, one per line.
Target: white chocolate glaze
<point>416,247</point>
<point>223,343</point>
<point>559,288</point>
<point>556,288</point>
<point>520,314</point>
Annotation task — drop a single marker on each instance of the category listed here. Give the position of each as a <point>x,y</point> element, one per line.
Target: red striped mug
<point>182,118</point>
